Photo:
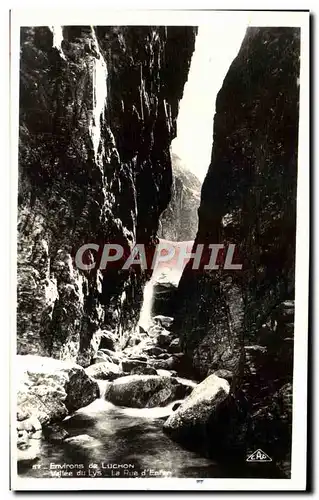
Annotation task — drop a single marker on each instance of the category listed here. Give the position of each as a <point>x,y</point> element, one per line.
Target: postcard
<point>160,169</point>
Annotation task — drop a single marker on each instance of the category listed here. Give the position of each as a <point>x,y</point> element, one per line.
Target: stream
<point>121,442</point>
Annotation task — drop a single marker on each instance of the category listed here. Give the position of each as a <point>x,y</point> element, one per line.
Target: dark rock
<point>142,330</point>
<point>164,296</point>
<point>55,433</point>
<point>271,428</point>
<point>141,357</point>
<point>285,312</point>
<point>129,364</point>
<point>144,391</point>
<point>154,351</point>
<point>162,364</point>
<point>183,365</point>
<point>228,210</point>
<point>237,320</point>
<point>87,174</point>
<point>175,406</point>
<point>143,370</point>
<point>107,341</point>
<point>175,346</point>
<point>164,338</point>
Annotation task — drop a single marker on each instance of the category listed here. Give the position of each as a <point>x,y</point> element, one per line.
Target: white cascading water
<point>145,320</point>
<point>100,75</point>
<point>162,273</point>
<point>103,385</point>
<point>58,39</point>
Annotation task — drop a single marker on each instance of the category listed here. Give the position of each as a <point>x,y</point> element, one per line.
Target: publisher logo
<point>259,456</point>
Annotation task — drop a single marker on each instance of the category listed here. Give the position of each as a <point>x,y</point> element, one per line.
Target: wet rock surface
<point>145,391</point>
<point>55,433</point>
<point>48,391</point>
<point>189,421</point>
<point>242,320</point>
<point>94,166</point>
<point>103,371</point>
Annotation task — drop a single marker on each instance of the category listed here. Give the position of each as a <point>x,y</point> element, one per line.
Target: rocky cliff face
<point>98,107</point>
<point>227,319</point>
<point>179,222</point>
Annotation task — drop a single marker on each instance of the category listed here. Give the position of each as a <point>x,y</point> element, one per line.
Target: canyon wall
<point>179,222</point>
<point>98,108</point>
<point>241,322</point>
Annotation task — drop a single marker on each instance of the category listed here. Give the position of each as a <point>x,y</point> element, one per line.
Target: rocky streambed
<point>138,412</point>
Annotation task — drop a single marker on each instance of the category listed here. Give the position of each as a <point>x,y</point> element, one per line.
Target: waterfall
<point>103,385</point>
<point>58,39</point>
<point>100,75</point>
<point>146,311</point>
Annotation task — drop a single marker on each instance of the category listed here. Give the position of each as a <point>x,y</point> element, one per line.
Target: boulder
<point>54,433</point>
<point>189,421</point>
<point>128,364</point>
<point>50,389</point>
<point>162,364</point>
<point>143,370</point>
<point>154,351</point>
<point>164,321</point>
<point>103,371</point>
<point>144,391</point>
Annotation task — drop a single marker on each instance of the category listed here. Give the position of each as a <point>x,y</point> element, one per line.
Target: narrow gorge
<point>181,371</point>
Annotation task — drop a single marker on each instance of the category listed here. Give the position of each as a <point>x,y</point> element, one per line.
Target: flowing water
<point>122,442</point>
<point>113,441</point>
